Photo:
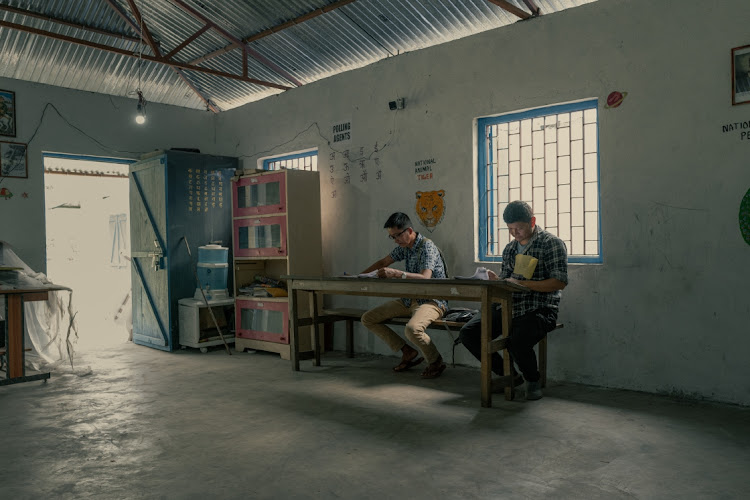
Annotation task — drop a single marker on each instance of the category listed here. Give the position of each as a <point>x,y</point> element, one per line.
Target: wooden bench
<point>350,315</point>
<point>3,351</point>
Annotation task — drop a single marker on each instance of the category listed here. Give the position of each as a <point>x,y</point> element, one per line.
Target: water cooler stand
<point>197,328</point>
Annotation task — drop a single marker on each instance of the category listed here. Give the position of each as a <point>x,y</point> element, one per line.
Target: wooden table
<point>17,289</point>
<point>484,292</point>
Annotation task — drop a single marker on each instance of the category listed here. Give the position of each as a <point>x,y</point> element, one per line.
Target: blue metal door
<point>148,236</point>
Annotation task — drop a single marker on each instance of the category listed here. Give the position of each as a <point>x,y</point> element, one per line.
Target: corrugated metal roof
<point>351,36</point>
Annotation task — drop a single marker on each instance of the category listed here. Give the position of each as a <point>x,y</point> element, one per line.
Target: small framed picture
<point>7,113</point>
<point>13,160</point>
<point>741,75</point>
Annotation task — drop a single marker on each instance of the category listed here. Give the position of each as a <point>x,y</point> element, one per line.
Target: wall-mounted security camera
<point>397,104</point>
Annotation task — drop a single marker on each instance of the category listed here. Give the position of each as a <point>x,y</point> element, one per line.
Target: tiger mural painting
<point>430,208</point>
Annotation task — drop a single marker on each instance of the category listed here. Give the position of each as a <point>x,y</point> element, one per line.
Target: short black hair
<point>398,220</point>
<point>517,211</point>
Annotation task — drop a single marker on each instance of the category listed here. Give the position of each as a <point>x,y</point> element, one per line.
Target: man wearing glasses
<point>423,261</point>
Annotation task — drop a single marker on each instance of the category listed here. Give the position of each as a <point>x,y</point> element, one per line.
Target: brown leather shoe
<point>434,370</point>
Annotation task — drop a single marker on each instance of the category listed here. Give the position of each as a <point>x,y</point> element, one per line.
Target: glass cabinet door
<point>260,237</point>
<point>259,195</point>
<point>262,320</point>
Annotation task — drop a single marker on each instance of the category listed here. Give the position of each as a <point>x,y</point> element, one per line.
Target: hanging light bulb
<point>140,117</point>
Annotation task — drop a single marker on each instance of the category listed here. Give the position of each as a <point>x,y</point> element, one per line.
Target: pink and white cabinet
<point>276,232</point>
<point>262,320</point>
<point>260,194</point>
<point>260,236</point>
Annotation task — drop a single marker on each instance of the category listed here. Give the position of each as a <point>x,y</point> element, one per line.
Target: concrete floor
<point>147,424</point>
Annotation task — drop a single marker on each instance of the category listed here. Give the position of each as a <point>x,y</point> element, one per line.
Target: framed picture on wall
<point>13,160</point>
<point>7,113</point>
<point>741,75</point>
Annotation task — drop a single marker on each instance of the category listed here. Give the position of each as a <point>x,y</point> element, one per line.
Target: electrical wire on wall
<point>328,143</point>
<point>78,129</point>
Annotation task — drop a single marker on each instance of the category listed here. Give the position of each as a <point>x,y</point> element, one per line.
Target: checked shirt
<point>424,254</point>
<point>553,263</point>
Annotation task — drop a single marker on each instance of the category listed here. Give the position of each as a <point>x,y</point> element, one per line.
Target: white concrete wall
<point>668,309</point>
<point>107,128</point>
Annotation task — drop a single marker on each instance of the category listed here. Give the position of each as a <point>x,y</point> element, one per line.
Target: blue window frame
<point>549,158</point>
<point>307,160</point>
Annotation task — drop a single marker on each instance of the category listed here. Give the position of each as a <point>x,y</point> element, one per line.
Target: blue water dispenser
<point>213,271</point>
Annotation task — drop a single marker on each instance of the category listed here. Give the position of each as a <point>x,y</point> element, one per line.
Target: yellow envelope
<point>525,265</point>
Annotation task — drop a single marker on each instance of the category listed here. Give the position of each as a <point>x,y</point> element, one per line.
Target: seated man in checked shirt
<point>537,260</point>
<point>423,261</point>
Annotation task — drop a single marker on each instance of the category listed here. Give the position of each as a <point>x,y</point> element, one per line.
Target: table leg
<point>486,356</point>
<point>294,328</point>
<point>507,362</point>
<point>14,344</point>
<point>315,327</point>
<point>349,338</point>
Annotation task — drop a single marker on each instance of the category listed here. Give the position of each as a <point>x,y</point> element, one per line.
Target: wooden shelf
<point>262,299</point>
<point>299,214</point>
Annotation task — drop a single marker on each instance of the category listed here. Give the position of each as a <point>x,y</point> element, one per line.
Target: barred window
<point>549,158</point>
<point>307,160</point>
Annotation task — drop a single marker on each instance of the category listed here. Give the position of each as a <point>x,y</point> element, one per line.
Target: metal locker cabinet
<point>173,195</point>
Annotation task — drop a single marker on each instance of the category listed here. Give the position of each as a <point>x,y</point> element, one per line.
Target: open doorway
<point>88,242</point>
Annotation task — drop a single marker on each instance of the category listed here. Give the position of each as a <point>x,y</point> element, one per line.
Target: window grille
<point>298,161</point>
<point>549,158</point>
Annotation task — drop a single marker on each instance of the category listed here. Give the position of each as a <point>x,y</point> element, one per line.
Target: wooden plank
<point>543,361</point>
<point>294,329</point>
<point>392,288</point>
<point>498,344</point>
<point>333,314</point>
<point>240,344</point>
<point>507,364</point>
<point>26,349</point>
<point>15,336</point>
<point>345,311</point>
<point>315,333</point>
<point>350,338</point>
<point>339,314</point>
<point>485,309</point>
<point>35,296</point>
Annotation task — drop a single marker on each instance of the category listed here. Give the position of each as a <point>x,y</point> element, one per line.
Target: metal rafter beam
<point>56,20</point>
<point>274,29</point>
<point>154,47</point>
<point>186,42</point>
<point>143,29</point>
<point>297,20</point>
<point>200,17</point>
<point>533,7</point>
<point>125,17</point>
<point>236,41</point>
<point>505,5</point>
<point>209,105</point>
<point>160,60</point>
<point>137,25</point>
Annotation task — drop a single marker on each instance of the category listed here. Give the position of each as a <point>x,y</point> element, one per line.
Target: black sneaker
<point>533,391</point>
